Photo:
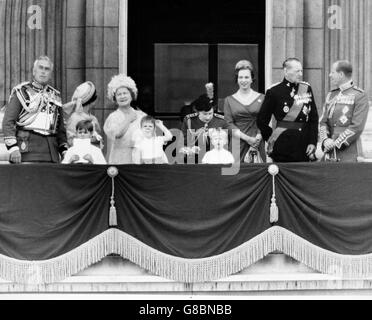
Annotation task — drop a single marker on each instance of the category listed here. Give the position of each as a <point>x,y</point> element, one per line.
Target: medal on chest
<point>306,111</point>
<point>302,99</point>
<point>286,108</point>
<point>344,119</point>
<point>346,99</point>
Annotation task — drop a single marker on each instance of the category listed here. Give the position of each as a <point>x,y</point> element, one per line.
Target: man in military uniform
<point>195,129</point>
<point>344,116</point>
<point>33,122</point>
<point>292,104</point>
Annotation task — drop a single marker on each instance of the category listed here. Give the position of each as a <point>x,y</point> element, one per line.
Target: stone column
<point>313,49</point>
<point>29,29</point>
<point>297,30</point>
<point>349,36</point>
<point>123,37</point>
<point>92,47</point>
<point>74,50</point>
<point>287,33</point>
<point>102,49</point>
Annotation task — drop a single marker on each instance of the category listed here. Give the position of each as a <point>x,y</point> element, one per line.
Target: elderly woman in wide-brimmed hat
<point>123,126</point>
<point>79,109</point>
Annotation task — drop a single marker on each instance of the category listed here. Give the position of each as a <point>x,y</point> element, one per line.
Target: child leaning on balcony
<point>82,151</point>
<point>148,148</point>
<point>218,155</point>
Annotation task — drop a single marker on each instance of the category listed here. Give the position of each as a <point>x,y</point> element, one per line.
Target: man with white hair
<point>292,104</point>
<point>33,122</point>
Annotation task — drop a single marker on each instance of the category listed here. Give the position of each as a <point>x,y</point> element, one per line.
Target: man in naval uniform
<point>344,116</point>
<point>292,104</point>
<point>196,127</point>
<point>33,122</point>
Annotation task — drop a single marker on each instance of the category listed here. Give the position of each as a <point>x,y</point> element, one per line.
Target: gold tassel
<point>274,211</point>
<point>113,220</point>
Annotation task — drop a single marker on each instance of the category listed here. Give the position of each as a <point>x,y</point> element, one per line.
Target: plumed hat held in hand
<point>203,103</point>
<point>86,92</point>
<point>84,95</point>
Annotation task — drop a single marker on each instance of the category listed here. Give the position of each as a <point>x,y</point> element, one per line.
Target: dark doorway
<point>177,46</point>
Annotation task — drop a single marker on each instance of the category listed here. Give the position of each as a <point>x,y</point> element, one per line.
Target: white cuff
<point>11,150</point>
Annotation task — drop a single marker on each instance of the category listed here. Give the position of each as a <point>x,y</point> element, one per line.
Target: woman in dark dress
<point>241,110</point>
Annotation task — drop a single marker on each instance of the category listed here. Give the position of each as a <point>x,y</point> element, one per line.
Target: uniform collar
<point>289,84</point>
<point>206,124</point>
<point>347,85</point>
<point>37,85</point>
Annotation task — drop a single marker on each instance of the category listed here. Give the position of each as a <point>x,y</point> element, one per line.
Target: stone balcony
<point>276,275</point>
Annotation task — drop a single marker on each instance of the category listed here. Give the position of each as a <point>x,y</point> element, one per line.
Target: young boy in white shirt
<point>218,155</point>
<point>82,151</point>
<point>148,149</point>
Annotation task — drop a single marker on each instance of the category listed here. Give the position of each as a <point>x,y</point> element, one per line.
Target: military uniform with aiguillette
<point>33,123</point>
<point>344,118</point>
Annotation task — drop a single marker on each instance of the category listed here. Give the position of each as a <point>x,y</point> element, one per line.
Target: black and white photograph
<point>185,154</point>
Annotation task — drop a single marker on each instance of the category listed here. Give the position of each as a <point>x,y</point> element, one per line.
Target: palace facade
<point>171,49</point>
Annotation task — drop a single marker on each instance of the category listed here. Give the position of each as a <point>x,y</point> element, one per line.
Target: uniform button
<point>299,129</point>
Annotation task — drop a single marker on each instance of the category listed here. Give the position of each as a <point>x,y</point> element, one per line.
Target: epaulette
<point>358,89</point>
<point>328,98</point>
<point>192,115</point>
<point>220,116</point>
<point>18,88</point>
<point>304,82</point>
<point>53,89</point>
<point>273,85</point>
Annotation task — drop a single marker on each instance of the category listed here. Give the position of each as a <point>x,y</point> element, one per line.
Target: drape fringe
<point>324,261</point>
<point>114,241</point>
<point>59,268</point>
